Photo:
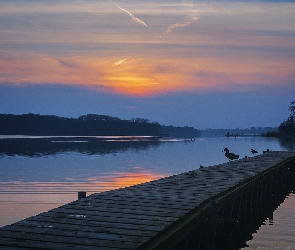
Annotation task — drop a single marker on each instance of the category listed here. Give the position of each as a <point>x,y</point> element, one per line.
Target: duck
<point>253,151</point>
<point>229,155</point>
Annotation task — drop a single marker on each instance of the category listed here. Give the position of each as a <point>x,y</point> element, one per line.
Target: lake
<point>40,173</point>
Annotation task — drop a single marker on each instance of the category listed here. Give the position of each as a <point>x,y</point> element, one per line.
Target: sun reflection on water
<point>27,199</point>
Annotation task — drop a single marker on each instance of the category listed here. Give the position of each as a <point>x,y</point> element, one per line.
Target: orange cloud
<point>145,74</point>
<point>141,76</point>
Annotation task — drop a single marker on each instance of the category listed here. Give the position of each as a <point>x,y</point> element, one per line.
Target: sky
<point>206,64</point>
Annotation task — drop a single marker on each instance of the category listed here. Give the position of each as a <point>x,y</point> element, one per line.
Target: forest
<point>86,125</point>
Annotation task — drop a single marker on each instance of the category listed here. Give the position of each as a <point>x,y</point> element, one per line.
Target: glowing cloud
<point>134,18</point>
<point>119,62</point>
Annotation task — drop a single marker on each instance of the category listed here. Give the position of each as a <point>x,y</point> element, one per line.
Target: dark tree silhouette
<point>86,125</point>
<point>288,127</point>
<point>292,109</point>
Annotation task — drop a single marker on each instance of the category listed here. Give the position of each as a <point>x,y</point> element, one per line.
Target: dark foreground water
<point>40,173</point>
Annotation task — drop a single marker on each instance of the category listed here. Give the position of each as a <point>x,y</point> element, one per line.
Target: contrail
<point>193,18</point>
<point>134,18</point>
<point>180,25</point>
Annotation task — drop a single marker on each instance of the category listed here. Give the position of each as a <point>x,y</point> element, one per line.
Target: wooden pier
<point>199,209</point>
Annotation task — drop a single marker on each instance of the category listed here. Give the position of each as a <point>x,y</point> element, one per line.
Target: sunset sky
<point>206,64</point>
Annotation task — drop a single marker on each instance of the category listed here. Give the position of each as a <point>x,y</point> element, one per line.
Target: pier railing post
<point>81,195</point>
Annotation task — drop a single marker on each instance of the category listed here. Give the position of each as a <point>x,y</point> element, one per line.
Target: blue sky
<point>207,64</point>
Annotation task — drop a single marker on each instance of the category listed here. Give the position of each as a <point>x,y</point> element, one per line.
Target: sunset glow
<point>147,76</point>
<point>199,46</point>
<point>128,49</point>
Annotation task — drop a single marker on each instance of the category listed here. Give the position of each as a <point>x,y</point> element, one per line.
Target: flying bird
<point>253,151</point>
<point>229,155</point>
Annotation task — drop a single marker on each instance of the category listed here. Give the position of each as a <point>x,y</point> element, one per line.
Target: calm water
<point>38,174</point>
<point>279,231</point>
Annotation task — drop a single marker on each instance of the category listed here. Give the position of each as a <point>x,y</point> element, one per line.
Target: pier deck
<point>138,217</point>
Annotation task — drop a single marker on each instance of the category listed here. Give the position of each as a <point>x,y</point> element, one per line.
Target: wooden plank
<point>156,205</point>
<point>115,214</point>
<point>105,228</point>
<point>7,242</point>
<point>77,242</point>
<point>127,210</point>
<point>39,222</point>
<point>66,218</point>
<point>79,235</point>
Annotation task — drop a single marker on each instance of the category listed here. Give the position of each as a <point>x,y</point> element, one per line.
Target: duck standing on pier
<point>229,155</point>
<point>253,151</point>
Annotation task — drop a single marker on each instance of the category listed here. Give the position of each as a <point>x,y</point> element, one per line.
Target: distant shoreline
<point>87,125</point>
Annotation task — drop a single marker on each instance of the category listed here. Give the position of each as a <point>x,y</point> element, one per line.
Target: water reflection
<point>277,231</point>
<point>287,143</point>
<point>270,225</point>
<point>42,146</point>
<point>37,197</point>
<point>91,185</point>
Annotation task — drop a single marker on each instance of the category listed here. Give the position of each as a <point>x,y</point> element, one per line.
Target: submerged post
<point>81,195</point>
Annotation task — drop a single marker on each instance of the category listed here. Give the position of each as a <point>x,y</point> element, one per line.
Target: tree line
<point>287,127</point>
<point>87,125</point>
